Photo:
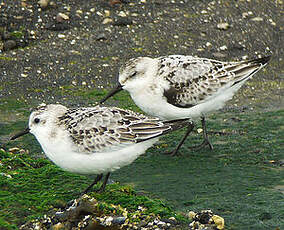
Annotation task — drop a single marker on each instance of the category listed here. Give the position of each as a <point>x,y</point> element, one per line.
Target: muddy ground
<point>85,49</point>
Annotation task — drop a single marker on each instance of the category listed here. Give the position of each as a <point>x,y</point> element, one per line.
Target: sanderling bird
<point>95,140</point>
<point>177,86</point>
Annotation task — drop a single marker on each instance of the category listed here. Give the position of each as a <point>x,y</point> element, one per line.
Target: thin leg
<point>97,179</point>
<point>102,188</point>
<point>205,136</point>
<point>189,129</point>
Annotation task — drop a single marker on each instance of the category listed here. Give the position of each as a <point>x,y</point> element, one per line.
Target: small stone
<point>122,14</point>
<point>119,220</point>
<point>61,36</point>
<point>223,26</point>
<point>20,17</point>
<point>101,37</point>
<point>224,47</point>
<point>108,221</point>
<point>199,130</point>
<point>191,215</point>
<point>60,17</point>
<point>208,44</point>
<point>122,21</point>
<point>14,149</point>
<point>9,45</point>
<point>43,3</point>
<point>272,22</point>
<point>58,226</point>
<point>107,20</point>
<point>257,19</point>
<point>172,219</point>
<point>219,221</point>
<point>107,13</point>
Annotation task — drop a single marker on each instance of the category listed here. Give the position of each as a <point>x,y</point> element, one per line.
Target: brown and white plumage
<point>178,86</point>
<point>95,139</point>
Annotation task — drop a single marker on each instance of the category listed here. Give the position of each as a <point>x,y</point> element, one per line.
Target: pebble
<point>224,47</point>
<point>9,45</point>
<point>60,17</point>
<point>24,75</point>
<point>14,149</point>
<point>101,37</point>
<point>122,14</point>
<point>122,21</point>
<point>119,220</point>
<point>257,19</point>
<point>43,3</point>
<point>107,20</point>
<point>223,26</point>
<point>208,44</point>
<point>107,13</point>
<point>61,35</point>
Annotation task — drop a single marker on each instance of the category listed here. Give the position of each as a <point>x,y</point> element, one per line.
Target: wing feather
<point>103,129</point>
<point>192,80</point>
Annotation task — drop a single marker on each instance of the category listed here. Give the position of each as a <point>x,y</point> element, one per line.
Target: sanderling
<point>177,86</point>
<point>95,140</point>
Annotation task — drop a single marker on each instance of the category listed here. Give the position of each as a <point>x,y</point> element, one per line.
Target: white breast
<point>64,156</point>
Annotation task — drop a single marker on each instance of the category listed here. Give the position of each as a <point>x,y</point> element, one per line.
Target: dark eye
<point>132,75</point>
<point>36,120</point>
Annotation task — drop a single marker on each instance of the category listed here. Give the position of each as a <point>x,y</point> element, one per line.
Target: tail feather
<point>246,69</point>
<point>179,123</point>
<point>168,126</point>
<point>263,60</point>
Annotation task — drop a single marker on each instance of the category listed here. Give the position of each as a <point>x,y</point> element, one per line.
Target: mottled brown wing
<point>102,129</point>
<point>192,80</point>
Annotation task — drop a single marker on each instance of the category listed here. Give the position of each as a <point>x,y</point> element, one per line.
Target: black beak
<point>112,92</point>
<point>26,131</point>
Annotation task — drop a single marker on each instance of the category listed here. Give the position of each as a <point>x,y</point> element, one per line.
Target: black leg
<point>205,136</point>
<point>97,179</point>
<point>102,188</point>
<point>189,129</point>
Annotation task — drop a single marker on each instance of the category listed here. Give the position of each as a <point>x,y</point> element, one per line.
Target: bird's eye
<point>132,75</point>
<point>36,120</point>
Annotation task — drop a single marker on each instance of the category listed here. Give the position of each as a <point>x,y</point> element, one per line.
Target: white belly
<point>94,163</point>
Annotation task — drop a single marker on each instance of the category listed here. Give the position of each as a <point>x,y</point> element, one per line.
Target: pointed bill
<point>112,92</point>
<point>24,132</point>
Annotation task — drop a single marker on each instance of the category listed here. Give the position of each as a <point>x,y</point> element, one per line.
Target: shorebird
<point>178,86</point>
<point>95,140</point>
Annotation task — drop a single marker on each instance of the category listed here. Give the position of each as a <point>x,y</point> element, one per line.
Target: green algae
<point>236,180</point>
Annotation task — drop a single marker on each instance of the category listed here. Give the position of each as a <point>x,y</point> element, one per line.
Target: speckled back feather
<point>100,129</point>
<point>194,80</point>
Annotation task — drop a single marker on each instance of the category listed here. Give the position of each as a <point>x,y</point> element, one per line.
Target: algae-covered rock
<point>88,213</point>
